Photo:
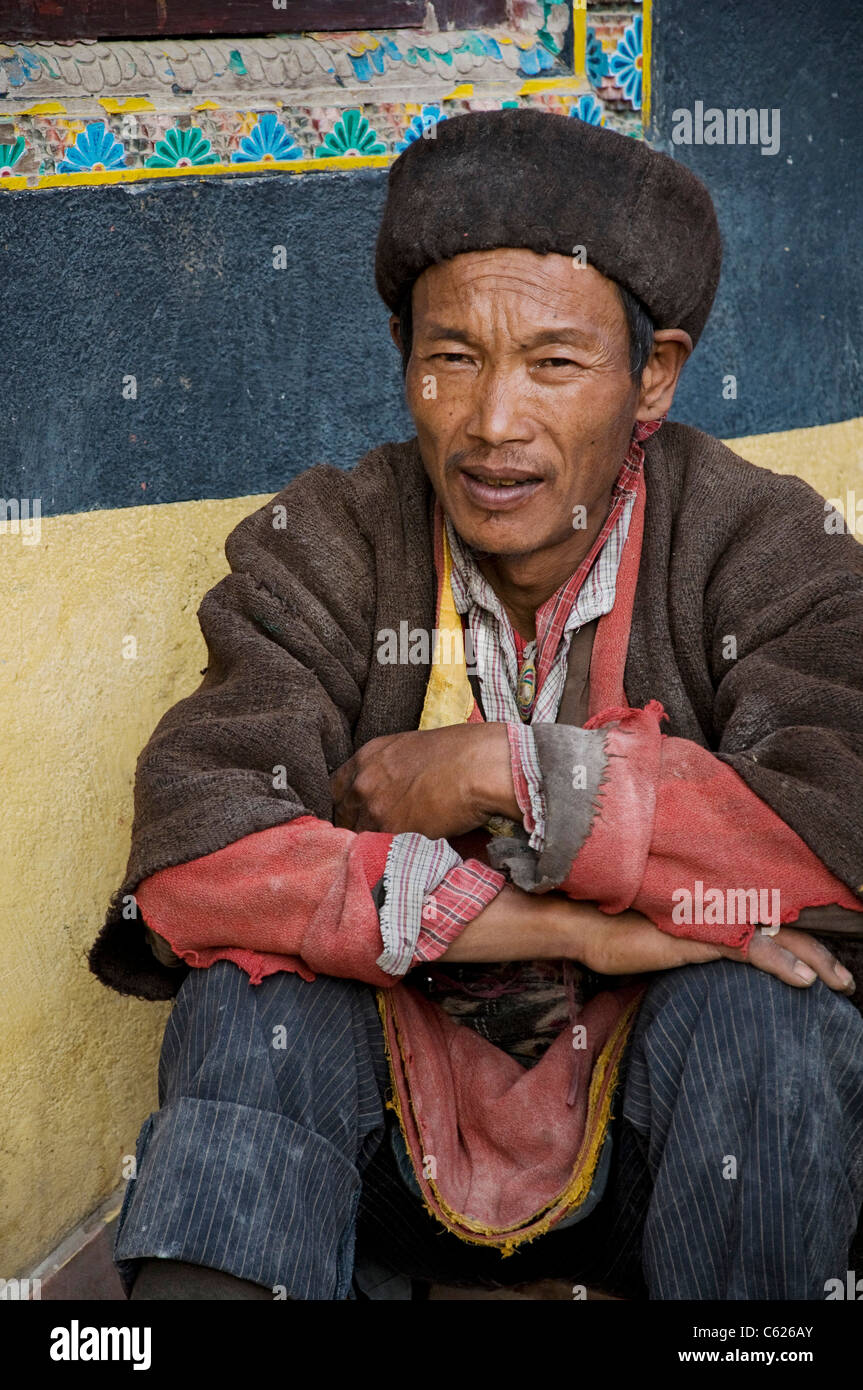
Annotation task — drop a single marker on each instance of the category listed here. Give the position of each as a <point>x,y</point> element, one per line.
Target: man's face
<point>520,390</point>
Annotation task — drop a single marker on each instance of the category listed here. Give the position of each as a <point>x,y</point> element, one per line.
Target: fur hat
<point>526,178</point>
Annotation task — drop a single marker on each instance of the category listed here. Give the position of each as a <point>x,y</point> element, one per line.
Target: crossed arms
<point>260,894</point>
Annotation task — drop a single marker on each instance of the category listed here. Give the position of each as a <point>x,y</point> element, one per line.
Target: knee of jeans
<point>226,1033</point>
<point>224,981</point>
<point>758,1005</point>
<point>221,1000</point>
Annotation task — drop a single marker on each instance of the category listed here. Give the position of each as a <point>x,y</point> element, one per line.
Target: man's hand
<point>629,944</point>
<point>440,782</point>
<point>527,926</point>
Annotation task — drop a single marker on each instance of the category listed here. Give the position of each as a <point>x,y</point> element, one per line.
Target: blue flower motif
<point>267,141</point>
<point>627,62</point>
<point>534,60</point>
<point>390,48</point>
<point>491,47</point>
<point>597,62</point>
<point>588,109</point>
<point>430,117</point>
<point>94,148</point>
<point>365,63</point>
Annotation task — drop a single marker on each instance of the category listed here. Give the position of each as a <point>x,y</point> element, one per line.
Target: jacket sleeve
<point>290,636</point>
<point>310,897</point>
<point>638,819</point>
<point>763,814</point>
<point>296,897</point>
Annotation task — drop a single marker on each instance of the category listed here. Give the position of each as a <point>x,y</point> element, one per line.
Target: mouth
<point>499,491</point>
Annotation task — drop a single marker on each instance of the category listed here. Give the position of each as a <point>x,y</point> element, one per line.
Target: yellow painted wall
<point>830,457</point>
<point>78,1065</point>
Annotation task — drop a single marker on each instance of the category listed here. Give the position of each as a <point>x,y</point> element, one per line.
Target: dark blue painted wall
<point>787,318</point>
<point>247,374</point>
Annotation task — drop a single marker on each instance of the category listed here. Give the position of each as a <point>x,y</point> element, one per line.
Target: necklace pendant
<point>526,689</point>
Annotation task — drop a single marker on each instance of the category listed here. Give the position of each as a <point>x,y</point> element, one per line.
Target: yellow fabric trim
<point>449,698</point>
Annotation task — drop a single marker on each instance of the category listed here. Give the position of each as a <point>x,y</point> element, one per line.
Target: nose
<point>497,416</point>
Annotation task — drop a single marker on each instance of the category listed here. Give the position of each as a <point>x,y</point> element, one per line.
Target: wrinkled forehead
<point>518,288</point>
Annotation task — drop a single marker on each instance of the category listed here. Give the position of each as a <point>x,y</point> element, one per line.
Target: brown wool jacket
<point>729,551</point>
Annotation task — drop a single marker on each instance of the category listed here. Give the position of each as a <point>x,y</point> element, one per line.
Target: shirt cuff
<point>528,782</point>
<point>461,895</point>
<point>415,866</point>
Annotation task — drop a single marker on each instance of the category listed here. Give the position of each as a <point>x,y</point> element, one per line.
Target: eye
<point>556,362</point>
<point>452,356</point>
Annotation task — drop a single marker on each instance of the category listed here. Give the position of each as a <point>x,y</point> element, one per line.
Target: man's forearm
<point>550,926</point>
<point>519,926</point>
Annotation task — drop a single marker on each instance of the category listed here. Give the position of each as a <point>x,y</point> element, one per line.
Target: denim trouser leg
<point>271,1103</point>
<point>747,1095</point>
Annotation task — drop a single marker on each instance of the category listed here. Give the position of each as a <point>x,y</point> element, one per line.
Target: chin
<point>500,535</point>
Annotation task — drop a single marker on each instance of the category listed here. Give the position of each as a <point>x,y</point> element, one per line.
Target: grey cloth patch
<point>513,856</point>
<point>572,802</point>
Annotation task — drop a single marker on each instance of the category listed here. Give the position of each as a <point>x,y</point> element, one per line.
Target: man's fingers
<point>350,809</point>
<point>798,960</point>
<point>820,959</point>
<point>345,802</point>
<point>341,779</point>
<point>765,953</point>
<point>344,805</point>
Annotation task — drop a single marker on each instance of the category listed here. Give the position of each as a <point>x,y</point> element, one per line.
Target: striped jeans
<point>736,1149</point>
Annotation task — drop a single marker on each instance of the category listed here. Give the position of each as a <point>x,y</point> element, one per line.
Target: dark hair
<point>638,321</point>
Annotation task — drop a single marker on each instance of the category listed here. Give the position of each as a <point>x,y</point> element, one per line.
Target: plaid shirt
<point>430,894</point>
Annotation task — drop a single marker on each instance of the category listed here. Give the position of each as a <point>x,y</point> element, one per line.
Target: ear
<point>394,331</point>
<point>671,348</point>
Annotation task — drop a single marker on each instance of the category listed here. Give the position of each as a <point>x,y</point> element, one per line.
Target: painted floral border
<point>303,136</point>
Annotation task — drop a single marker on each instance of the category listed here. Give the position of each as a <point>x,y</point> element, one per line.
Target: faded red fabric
<point>298,896</point>
<point>611,640</point>
<point>505,1141</point>
<point>674,814</point>
<point>702,801</point>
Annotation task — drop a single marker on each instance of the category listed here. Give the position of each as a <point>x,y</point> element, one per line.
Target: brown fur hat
<point>526,178</point>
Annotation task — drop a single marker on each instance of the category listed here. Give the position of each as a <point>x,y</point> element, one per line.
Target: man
<point>551,698</point>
